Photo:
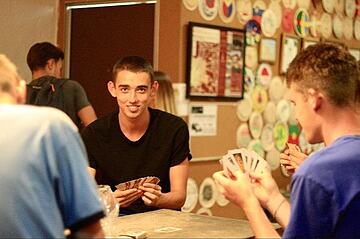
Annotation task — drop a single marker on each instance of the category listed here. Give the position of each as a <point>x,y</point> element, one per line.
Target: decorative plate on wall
<point>244,109</point>
<point>302,22</point>
<point>338,26</point>
<point>256,124</point>
<point>244,11</point>
<point>208,9</point>
<point>267,137</point>
<point>259,98</point>
<point>288,20</point>
<point>190,4</point>
<point>270,113</point>
<point>276,8</point>
<point>326,25</point>
<point>350,8</point>
<point>272,157</point>
<point>243,136</point>
<point>207,193</point>
<point>328,5</point>
<point>191,196</point>
<point>277,89</point>
<point>251,57</point>
<point>264,74</point>
<point>255,145</point>
<point>221,200</point>
<point>227,10</point>
<point>281,135</point>
<point>253,32</point>
<point>349,29</point>
<point>283,110</point>
<point>268,23</point>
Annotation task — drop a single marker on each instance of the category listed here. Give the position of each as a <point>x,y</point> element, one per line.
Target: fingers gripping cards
<point>244,160</point>
<point>137,183</point>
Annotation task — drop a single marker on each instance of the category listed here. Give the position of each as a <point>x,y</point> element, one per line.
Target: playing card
<point>238,157</point>
<point>136,183</point>
<point>259,164</point>
<point>246,159</point>
<point>230,164</point>
<point>254,161</point>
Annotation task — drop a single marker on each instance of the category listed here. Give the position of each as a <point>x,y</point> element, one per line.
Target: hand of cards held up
<point>244,160</point>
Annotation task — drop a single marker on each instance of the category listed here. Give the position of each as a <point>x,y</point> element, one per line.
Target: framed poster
<point>290,46</point>
<point>308,42</point>
<point>215,62</point>
<point>268,50</point>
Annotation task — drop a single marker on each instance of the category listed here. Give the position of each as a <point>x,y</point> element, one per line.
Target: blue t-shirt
<point>44,183</point>
<point>325,193</point>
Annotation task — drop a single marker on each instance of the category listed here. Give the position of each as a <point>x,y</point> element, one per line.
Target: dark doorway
<point>99,37</point>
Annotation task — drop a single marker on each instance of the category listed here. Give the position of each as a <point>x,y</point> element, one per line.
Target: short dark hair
<point>40,53</point>
<point>134,64</point>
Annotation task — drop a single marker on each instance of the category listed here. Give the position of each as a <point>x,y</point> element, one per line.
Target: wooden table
<point>190,225</point>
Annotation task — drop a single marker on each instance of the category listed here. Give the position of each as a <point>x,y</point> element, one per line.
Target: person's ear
<point>111,88</point>
<point>315,98</point>
<point>154,88</point>
<point>50,64</point>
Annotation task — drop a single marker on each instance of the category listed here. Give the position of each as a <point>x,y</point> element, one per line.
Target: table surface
<point>190,225</point>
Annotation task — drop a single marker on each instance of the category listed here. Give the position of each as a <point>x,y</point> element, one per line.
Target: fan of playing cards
<point>137,183</point>
<point>244,160</point>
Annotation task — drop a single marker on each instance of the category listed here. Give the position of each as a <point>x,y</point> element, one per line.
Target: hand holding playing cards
<point>126,197</point>
<point>292,158</point>
<point>237,190</point>
<point>130,191</point>
<point>264,187</point>
<point>152,193</point>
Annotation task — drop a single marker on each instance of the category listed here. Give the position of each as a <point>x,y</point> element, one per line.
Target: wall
<point>173,60</point>
<point>24,22</point>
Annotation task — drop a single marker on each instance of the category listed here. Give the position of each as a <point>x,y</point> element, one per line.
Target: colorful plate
<point>208,9</point>
<point>191,196</point>
<point>256,124</point>
<point>244,11</point>
<point>227,10</point>
<point>243,136</point>
<point>190,4</point>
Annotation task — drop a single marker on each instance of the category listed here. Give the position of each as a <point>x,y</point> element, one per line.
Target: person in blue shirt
<point>324,84</point>
<point>45,187</point>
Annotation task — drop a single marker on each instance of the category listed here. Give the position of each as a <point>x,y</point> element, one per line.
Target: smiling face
<point>134,93</point>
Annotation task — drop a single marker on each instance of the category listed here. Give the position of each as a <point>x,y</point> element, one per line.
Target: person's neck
<point>39,73</point>
<point>342,122</point>
<point>134,129</point>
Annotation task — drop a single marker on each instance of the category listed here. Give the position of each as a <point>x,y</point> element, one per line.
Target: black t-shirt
<point>117,159</point>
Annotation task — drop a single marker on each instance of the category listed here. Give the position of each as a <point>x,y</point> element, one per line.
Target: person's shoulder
<point>41,117</point>
<point>166,117</point>
<point>102,124</point>
<point>71,83</point>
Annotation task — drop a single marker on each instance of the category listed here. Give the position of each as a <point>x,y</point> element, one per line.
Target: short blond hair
<point>9,77</point>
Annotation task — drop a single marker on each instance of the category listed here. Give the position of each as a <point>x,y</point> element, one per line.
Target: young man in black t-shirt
<point>138,141</point>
